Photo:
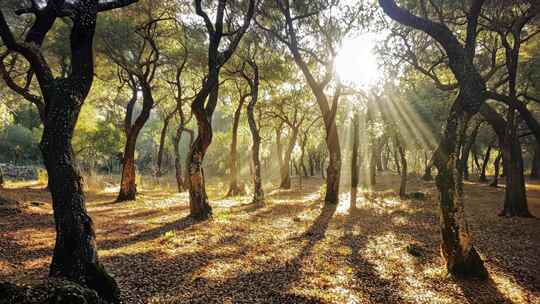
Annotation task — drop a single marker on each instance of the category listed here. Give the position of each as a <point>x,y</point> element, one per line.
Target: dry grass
<point>291,251</point>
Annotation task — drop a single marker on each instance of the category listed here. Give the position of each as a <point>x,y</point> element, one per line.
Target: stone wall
<point>13,172</point>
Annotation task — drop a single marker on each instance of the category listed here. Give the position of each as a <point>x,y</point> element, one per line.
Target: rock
<point>52,291</point>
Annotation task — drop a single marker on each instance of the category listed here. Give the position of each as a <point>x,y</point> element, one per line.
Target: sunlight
<point>356,62</point>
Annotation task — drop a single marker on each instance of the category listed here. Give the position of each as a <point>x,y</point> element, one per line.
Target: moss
<point>52,291</point>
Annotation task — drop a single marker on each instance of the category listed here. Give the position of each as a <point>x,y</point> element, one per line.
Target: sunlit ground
<point>291,251</point>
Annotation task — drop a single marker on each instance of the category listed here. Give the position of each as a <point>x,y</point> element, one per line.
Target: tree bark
<point>75,252</point>
<point>302,155</point>
<point>515,202</point>
<point>354,161</point>
<point>199,205</point>
<point>461,257</point>
<point>128,187</point>
<point>177,161</point>
<point>258,193</point>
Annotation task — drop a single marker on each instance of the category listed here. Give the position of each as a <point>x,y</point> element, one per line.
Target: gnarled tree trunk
<point>258,193</point>
<point>128,187</point>
<point>199,205</point>
<point>461,257</point>
<point>75,252</point>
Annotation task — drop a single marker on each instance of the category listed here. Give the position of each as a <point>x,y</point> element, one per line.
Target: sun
<point>356,62</point>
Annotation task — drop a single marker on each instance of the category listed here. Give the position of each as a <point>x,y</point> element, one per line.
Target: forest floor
<point>293,250</point>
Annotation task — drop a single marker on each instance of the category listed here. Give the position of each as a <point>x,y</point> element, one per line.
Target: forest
<point>269,151</point>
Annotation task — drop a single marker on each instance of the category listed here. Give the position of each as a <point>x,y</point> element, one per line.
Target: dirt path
<point>291,251</point>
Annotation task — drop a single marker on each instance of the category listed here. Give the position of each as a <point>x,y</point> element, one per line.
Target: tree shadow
<point>365,272</point>
<point>147,235</point>
<point>268,286</point>
<point>482,292</point>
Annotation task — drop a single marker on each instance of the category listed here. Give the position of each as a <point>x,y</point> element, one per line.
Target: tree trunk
<point>199,205</point>
<point>354,161</point>
<point>466,149</point>
<point>428,170</point>
<point>162,138</point>
<point>234,189</point>
<point>484,165</point>
<point>177,161</point>
<point>333,172</point>
<point>285,168</point>
<point>496,166</point>
<point>461,257</point>
<point>373,166</point>
<point>258,193</point>
<point>75,254</point>
<point>396,161</point>
<point>535,165</point>
<point>403,162</point>
<point>128,188</point>
<point>302,156</point>
<point>515,201</point>
<point>380,146</point>
<point>322,168</point>
<point>311,165</point>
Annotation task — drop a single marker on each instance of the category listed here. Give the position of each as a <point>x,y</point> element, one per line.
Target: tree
<point>253,82</point>
<point>75,254</point>
<point>136,52</point>
<point>234,187</point>
<point>354,159</point>
<point>203,109</point>
<point>461,257</point>
<point>288,31</point>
